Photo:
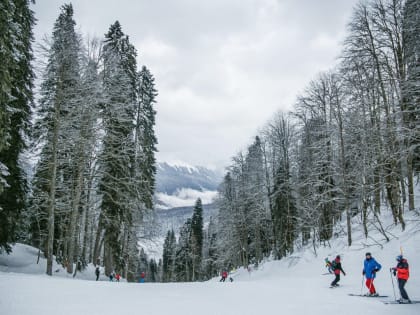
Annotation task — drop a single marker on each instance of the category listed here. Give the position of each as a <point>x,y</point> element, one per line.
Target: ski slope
<point>295,285</point>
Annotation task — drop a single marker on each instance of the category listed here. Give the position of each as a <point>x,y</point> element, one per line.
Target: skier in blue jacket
<point>371,267</point>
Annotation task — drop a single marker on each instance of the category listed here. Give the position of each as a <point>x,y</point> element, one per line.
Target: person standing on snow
<point>224,276</point>
<point>111,276</point>
<point>402,272</point>
<point>97,272</point>
<point>370,268</point>
<point>336,267</point>
<point>142,277</point>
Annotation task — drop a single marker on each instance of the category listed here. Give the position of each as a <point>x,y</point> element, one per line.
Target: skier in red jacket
<point>224,276</point>
<point>402,272</point>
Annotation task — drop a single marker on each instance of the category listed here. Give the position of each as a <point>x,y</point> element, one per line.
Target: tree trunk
<point>74,216</point>
<point>97,247</point>
<point>51,197</point>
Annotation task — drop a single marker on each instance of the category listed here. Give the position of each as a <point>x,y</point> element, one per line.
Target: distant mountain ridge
<point>179,185</point>
<point>172,177</point>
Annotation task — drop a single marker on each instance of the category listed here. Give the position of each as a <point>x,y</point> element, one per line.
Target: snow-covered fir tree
<point>116,184</point>
<point>197,241</point>
<point>16,95</point>
<point>145,138</point>
<point>60,97</point>
<point>168,257</point>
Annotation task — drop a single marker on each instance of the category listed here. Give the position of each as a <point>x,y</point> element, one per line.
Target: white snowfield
<point>295,285</point>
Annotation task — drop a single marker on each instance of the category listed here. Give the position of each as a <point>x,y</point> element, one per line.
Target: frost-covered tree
<point>283,204</point>
<point>318,166</point>
<point>16,81</point>
<point>59,99</point>
<point>183,262</point>
<point>196,240</point>
<point>145,138</point>
<point>168,258</point>
<point>410,86</point>
<point>118,115</point>
<point>210,254</point>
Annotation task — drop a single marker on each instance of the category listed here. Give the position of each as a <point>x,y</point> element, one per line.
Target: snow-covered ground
<point>295,285</point>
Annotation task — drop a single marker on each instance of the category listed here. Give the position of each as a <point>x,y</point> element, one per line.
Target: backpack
<point>334,265</point>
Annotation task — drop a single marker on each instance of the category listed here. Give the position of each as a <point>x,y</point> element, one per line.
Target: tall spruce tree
<point>196,240</point>
<point>168,258</point>
<point>145,138</point>
<point>210,251</point>
<point>117,184</point>
<point>59,98</point>
<point>16,81</point>
<point>183,263</point>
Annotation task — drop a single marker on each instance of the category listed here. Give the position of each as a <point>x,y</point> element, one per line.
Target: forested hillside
<point>91,135</point>
<point>350,144</point>
<point>349,150</point>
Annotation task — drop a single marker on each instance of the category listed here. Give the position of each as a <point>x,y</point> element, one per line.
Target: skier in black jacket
<point>336,265</point>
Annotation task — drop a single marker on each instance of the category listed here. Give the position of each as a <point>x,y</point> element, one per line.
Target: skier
<point>224,276</point>
<point>371,267</point>
<point>336,267</point>
<point>142,276</point>
<point>117,277</point>
<point>328,265</point>
<point>402,272</point>
<point>111,276</point>
<point>97,272</point>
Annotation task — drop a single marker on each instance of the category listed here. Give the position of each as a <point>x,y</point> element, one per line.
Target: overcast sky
<point>222,67</point>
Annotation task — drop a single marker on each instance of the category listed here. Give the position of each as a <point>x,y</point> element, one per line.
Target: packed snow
<point>295,285</point>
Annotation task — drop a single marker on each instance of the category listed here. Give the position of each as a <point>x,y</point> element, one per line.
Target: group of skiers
<point>224,275</point>
<point>112,275</point>
<point>370,268</point>
<point>117,276</point>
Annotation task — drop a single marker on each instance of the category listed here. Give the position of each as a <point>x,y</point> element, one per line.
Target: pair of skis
<point>400,302</point>
<point>386,302</point>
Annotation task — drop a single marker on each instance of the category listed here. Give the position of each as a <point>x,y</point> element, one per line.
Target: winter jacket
<point>371,266</point>
<point>337,267</point>
<point>402,269</point>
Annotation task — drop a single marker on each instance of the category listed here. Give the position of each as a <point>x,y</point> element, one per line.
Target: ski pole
<point>361,289</point>
<point>392,280</point>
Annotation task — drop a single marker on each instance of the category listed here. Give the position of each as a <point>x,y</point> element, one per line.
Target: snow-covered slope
<point>295,285</point>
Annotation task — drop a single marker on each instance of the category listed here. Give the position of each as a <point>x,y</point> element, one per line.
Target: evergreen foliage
<point>16,96</point>
<point>94,179</point>
<point>197,240</point>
